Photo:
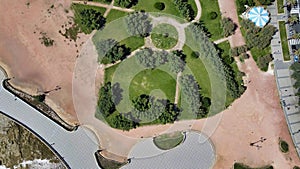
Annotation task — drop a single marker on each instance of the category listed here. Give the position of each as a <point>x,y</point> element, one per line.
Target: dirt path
<point>228,9</point>
<point>221,40</point>
<point>107,6</point>
<point>177,88</point>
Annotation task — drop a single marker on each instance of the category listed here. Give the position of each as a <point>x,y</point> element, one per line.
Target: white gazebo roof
<point>259,16</point>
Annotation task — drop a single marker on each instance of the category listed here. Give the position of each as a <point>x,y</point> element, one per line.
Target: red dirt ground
<point>34,66</point>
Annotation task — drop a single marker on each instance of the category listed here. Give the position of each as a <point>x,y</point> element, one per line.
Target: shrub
<point>284,147</point>
<point>159,5</point>
<point>195,54</point>
<point>228,26</point>
<point>213,15</point>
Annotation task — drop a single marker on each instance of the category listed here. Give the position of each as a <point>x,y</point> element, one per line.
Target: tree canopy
<point>138,24</point>
<point>89,20</point>
<point>110,51</point>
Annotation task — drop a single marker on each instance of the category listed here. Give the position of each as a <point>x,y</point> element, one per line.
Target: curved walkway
<point>195,152</point>
<point>76,149</point>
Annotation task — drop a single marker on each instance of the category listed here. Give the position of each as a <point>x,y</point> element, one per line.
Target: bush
<point>126,3</point>
<point>264,61</point>
<point>213,15</point>
<point>228,26</point>
<point>195,54</point>
<point>159,5</point>
<point>284,147</point>
<point>185,9</point>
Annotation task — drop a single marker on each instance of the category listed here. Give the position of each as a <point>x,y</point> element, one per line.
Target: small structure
<point>258,15</point>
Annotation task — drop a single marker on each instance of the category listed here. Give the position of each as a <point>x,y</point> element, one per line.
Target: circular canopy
<point>259,16</point>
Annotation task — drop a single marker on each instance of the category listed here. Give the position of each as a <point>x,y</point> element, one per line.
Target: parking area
<point>289,101</point>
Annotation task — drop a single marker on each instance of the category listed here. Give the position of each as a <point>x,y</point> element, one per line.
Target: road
<point>76,149</point>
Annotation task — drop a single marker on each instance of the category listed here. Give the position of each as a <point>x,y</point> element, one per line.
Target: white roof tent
<point>258,15</point>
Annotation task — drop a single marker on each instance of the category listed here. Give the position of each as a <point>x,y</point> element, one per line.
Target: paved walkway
<point>221,40</point>
<point>195,152</point>
<point>76,149</point>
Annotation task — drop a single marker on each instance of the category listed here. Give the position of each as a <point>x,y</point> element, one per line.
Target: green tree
<point>138,24</point>
<point>151,59</point>
<point>293,19</point>
<point>110,51</point>
<point>228,26</point>
<point>125,3</point>
<point>90,19</point>
<point>176,61</point>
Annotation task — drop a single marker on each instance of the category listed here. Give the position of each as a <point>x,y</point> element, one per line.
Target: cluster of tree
<point>148,109</point>
<point>152,59</point>
<point>90,19</point>
<point>138,24</point>
<point>228,26</point>
<point>110,51</point>
<point>191,93</point>
<point>208,51</point>
<point>107,107</point>
<point>257,37</point>
<point>296,75</point>
<point>176,60</point>
<point>241,4</point>
<point>185,9</point>
<point>237,51</point>
<point>263,62</point>
<point>125,3</point>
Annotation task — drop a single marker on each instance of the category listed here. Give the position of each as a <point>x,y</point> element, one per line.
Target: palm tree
<point>297,52</point>
<point>293,19</point>
<point>296,36</point>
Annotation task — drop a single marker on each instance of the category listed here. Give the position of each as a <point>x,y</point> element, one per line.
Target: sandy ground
<point>34,66</point>
<point>256,114</point>
<point>228,9</point>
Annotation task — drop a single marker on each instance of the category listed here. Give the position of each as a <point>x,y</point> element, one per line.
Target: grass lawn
<point>109,72</point>
<point>164,36</point>
<point>114,15</point>
<point>148,6</point>
<point>284,41</point>
<point>280,6</point>
<point>256,53</point>
<point>213,26</point>
<point>283,145</point>
<point>168,141</point>
<point>199,71</point>
<point>77,8</point>
<point>133,42</point>
<point>243,166</point>
<point>107,163</point>
<point>225,47</point>
<point>147,81</point>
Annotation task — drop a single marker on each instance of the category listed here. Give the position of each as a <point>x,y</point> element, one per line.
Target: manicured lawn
<point>284,41</point>
<point>213,25</point>
<point>199,71</point>
<point>280,6</point>
<point>77,8</point>
<point>243,166</point>
<point>225,47</point>
<point>133,42</point>
<point>109,73</point>
<point>147,81</point>
<point>164,36</point>
<point>283,145</point>
<point>114,15</point>
<point>148,6</point>
<point>168,141</point>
